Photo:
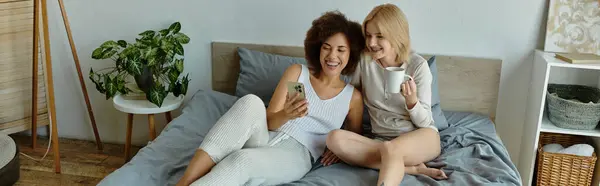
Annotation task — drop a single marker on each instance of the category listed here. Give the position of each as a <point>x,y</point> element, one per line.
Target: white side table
<point>133,106</point>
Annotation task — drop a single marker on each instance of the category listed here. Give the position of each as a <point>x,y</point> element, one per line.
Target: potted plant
<point>154,60</point>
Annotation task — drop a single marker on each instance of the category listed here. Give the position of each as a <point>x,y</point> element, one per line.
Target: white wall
<point>508,30</point>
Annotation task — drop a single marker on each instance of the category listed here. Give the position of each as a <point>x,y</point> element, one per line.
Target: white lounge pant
<point>244,150</point>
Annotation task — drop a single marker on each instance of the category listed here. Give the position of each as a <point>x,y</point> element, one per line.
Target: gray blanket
<point>472,154</point>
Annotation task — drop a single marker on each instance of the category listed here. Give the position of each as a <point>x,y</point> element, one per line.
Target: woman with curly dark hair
<point>279,144</point>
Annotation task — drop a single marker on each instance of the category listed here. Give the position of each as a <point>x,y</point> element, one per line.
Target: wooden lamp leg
<point>78,67</point>
<point>50,88</point>
<point>34,84</point>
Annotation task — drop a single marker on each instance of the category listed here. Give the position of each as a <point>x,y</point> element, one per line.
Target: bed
<point>472,153</point>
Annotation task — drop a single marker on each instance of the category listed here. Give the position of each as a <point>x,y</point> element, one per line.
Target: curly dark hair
<point>329,24</point>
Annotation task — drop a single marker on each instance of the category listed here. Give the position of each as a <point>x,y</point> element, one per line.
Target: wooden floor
<point>82,163</point>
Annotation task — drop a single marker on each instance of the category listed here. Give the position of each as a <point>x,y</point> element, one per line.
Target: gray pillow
<point>260,72</point>
<point>438,116</point>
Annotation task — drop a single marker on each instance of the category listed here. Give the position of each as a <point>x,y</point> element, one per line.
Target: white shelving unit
<point>548,69</point>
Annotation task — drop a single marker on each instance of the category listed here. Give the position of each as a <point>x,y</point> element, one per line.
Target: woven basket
<point>569,106</point>
<point>563,169</point>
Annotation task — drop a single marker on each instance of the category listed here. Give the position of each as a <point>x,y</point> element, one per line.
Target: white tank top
<point>323,116</point>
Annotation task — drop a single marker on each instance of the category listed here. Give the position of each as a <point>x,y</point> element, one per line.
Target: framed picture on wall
<point>573,26</point>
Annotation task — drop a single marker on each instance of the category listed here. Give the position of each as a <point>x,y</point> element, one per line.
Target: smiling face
<point>334,54</point>
<point>379,47</point>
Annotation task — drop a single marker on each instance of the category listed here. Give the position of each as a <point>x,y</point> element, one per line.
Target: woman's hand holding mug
<point>397,81</point>
<point>409,91</point>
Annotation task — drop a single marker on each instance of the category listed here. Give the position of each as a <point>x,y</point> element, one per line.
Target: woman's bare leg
<point>354,149</point>
<point>412,148</point>
<point>392,169</point>
<point>361,151</point>
<point>200,164</point>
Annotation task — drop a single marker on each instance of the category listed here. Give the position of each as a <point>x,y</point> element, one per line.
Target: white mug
<point>394,77</point>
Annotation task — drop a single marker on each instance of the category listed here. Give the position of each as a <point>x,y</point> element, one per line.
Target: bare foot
<point>437,174</point>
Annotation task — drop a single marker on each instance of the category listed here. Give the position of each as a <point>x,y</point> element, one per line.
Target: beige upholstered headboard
<point>465,83</point>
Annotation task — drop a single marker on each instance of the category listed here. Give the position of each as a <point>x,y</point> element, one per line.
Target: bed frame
<point>465,83</point>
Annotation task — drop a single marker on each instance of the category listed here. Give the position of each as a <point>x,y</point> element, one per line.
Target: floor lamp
<point>76,60</point>
<point>49,80</point>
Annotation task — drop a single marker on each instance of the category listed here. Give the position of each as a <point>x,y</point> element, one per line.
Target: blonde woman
<point>404,134</point>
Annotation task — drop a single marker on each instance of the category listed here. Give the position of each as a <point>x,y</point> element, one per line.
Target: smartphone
<point>296,87</point>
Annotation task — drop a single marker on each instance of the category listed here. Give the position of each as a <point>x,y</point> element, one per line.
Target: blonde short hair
<point>393,25</point>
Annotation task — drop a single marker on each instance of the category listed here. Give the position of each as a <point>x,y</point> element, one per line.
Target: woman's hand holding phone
<point>295,106</point>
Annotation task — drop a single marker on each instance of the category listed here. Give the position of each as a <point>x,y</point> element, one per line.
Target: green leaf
<point>120,63</point>
<point>103,52</point>
<point>184,85</point>
<point>166,45</point>
<point>150,53</point>
<point>169,57</point>
<point>152,61</point>
<point>147,34</point>
<point>182,38</point>
<point>124,64</point>
<point>179,49</point>
<point>124,52</point>
<point>173,74</point>
<point>141,43</point>
<point>99,85</point>
<point>108,54</point>
<point>130,53</point>
<point>156,41</point>
<point>153,57</point>
<point>145,42</point>
<point>92,74</point>
<point>179,65</point>
<point>122,43</point>
<point>120,82</point>
<point>164,32</point>
<point>110,86</point>
<point>176,89</point>
<point>175,27</point>
<point>98,53</point>
<point>109,44</point>
<point>157,95</point>
<point>135,67</point>
<point>127,52</point>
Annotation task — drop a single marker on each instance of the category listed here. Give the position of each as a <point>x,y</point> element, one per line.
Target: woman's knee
<point>252,100</point>
<point>335,139</point>
<point>390,149</point>
<point>250,104</point>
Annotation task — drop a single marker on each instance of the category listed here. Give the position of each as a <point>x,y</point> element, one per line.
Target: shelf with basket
<point>548,72</point>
